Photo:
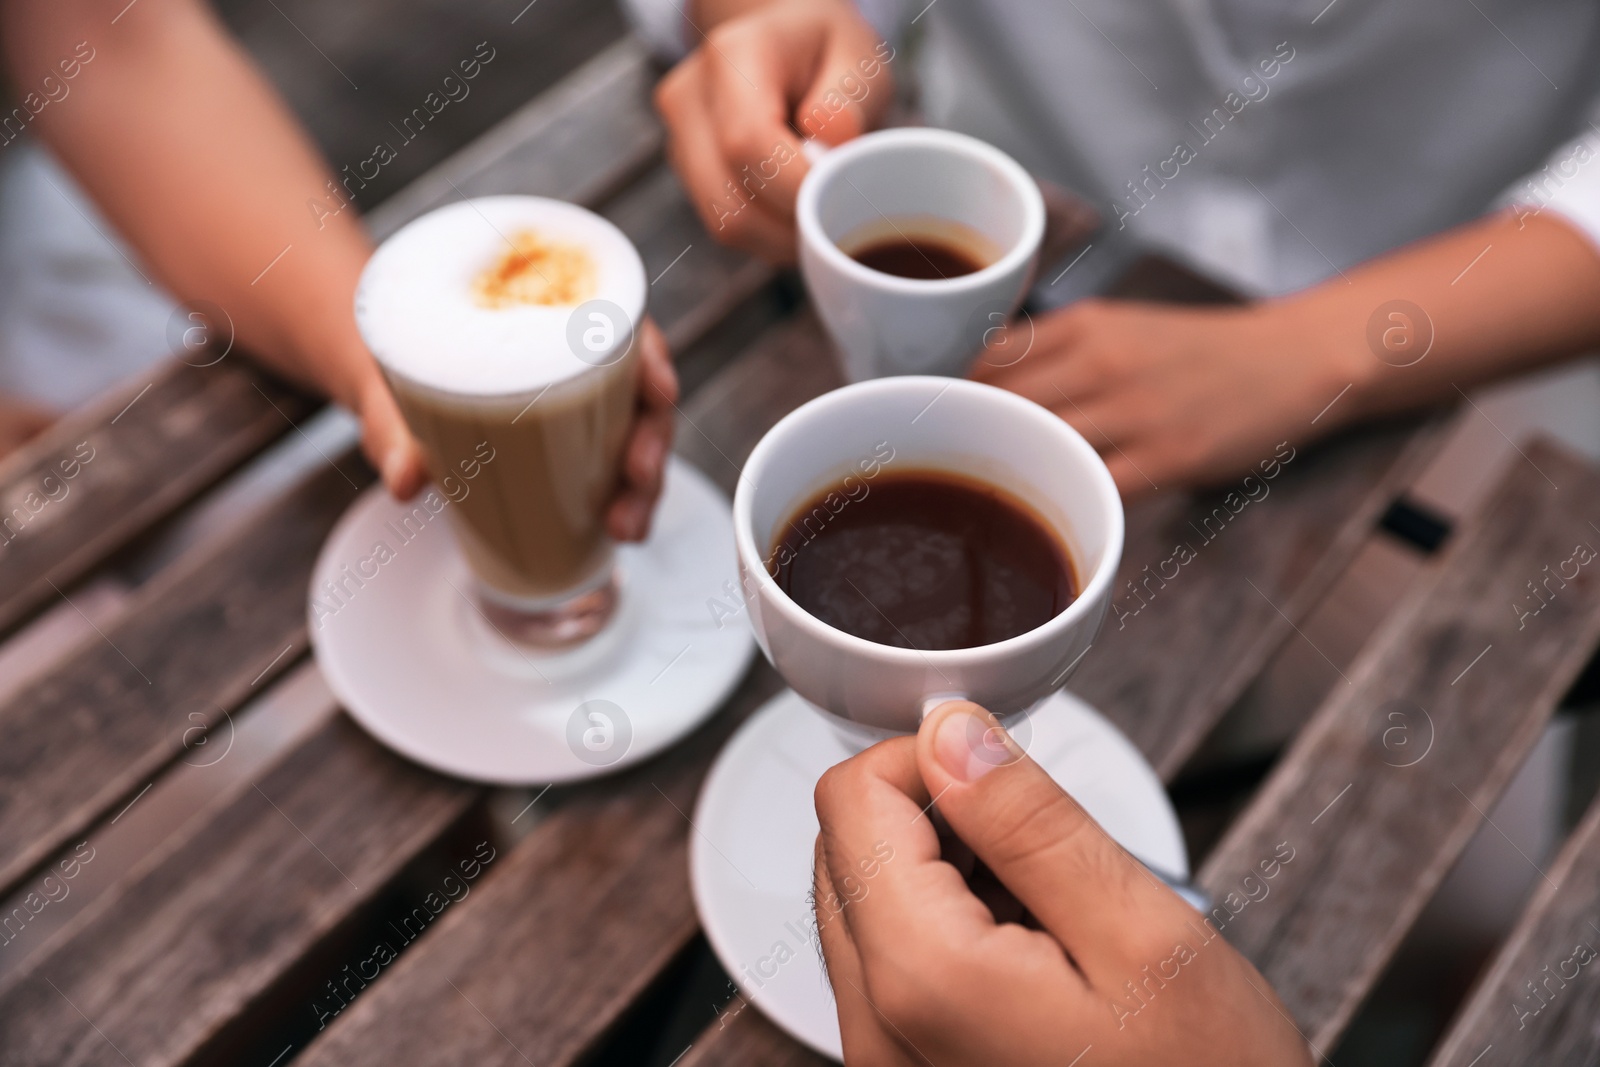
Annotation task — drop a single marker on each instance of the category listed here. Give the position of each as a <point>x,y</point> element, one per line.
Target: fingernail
<point>971,743</point>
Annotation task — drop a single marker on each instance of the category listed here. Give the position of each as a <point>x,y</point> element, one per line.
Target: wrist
<point>1331,333</point>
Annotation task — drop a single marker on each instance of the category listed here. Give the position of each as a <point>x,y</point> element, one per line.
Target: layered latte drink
<point>506,327</point>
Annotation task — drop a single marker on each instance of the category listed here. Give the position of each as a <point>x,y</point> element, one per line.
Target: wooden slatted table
<point>242,937</point>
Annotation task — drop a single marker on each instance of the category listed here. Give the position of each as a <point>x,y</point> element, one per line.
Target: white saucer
<point>414,661</point>
<point>750,862</point>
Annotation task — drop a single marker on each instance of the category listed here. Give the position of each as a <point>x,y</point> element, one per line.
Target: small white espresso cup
<point>910,423</point>
<point>884,324</point>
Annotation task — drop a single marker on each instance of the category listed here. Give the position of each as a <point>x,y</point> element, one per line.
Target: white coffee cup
<point>921,423</point>
<point>884,324</point>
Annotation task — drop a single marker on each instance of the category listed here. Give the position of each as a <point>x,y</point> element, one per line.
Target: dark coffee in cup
<point>917,257</point>
<point>922,248</point>
<point>924,559</point>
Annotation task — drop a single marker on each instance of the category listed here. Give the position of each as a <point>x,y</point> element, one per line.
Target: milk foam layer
<point>418,313</point>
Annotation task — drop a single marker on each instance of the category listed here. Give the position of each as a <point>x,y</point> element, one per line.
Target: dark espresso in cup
<point>924,559</point>
<point>917,257</point>
<point>924,249</point>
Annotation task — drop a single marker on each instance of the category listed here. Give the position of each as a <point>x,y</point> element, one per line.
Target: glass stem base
<point>564,626</point>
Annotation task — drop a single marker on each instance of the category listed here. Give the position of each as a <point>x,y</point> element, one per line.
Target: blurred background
<point>76,318</point>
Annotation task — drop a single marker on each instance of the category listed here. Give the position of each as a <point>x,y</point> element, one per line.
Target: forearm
<point>1497,296</point>
<point>196,161</point>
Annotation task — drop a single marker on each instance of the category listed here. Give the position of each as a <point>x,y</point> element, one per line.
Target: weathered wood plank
<point>788,365</point>
<point>751,1040</point>
<point>356,73</point>
<point>134,455</point>
<point>169,965</point>
<point>1261,560</point>
<point>585,911</point>
<point>1382,790</point>
<point>199,638</point>
<point>580,141</point>
<point>1554,946</point>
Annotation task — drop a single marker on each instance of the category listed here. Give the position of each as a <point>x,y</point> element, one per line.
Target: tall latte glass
<point>505,326</point>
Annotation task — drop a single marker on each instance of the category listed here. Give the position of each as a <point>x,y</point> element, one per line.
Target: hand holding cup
<point>511,332</point>
<point>924,973</point>
<point>733,105</point>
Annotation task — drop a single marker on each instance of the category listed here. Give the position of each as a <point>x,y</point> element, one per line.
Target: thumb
<point>1099,902</point>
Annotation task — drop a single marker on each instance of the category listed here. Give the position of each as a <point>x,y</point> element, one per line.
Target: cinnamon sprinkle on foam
<point>536,271</point>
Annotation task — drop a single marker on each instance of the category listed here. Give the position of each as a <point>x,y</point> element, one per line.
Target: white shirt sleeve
<point>1568,185</point>
<point>661,24</point>
<point>664,25</point>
